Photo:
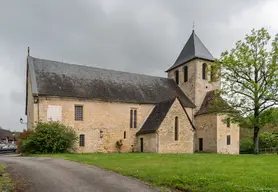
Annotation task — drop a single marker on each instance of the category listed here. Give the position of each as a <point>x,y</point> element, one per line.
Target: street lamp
<point>21,121</point>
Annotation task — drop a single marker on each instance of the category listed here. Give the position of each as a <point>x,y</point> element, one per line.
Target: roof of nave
<point>52,78</point>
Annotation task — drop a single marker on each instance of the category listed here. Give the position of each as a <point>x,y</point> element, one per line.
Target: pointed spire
<point>194,48</point>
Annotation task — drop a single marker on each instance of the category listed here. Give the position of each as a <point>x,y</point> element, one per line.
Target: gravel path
<point>41,174</point>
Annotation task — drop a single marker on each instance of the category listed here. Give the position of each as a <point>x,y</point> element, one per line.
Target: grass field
<point>197,172</point>
<point>5,182</point>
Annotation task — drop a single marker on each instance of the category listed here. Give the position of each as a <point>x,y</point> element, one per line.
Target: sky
<point>142,36</point>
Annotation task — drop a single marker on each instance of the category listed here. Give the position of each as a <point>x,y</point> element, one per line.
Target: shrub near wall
<point>22,136</point>
<point>246,146</point>
<point>50,137</point>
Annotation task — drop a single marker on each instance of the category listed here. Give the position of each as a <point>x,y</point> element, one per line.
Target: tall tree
<point>249,78</point>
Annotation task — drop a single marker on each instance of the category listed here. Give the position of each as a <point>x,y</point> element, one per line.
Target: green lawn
<point>5,181</point>
<point>197,172</point>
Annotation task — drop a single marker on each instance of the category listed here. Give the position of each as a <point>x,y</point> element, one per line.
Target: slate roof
<point>213,103</point>
<point>194,48</point>
<point>52,78</point>
<point>156,117</point>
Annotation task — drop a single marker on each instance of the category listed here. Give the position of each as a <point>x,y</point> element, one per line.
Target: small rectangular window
<point>131,118</point>
<point>124,134</point>
<point>82,140</point>
<point>135,118</point>
<point>54,113</point>
<point>228,122</point>
<point>228,139</point>
<point>78,113</point>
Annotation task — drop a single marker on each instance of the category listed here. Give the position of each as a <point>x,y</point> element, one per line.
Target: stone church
<point>113,110</point>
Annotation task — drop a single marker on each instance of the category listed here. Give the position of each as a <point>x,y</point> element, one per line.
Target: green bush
<point>50,137</point>
<point>268,140</point>
<point>246,145</point>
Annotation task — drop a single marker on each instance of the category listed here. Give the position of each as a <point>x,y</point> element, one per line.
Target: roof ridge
<point>156,117</point>
<point>194,47</point>
<point>66,80</point>
<point>203,44</point>
<point>105,69</point>
<point>168,100</point>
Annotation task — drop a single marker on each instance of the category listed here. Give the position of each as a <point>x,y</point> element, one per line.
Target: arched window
<point>185,73</point>
<point>135,118</point>
<point>131,118</point>
<point>204,71</point>
<point>177,77</point>
<point>82,140</point>
<point>176,128</point>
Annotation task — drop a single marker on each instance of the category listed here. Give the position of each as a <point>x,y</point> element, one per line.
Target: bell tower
<point>191,70</point>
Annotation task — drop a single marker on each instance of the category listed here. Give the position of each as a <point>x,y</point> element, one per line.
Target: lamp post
<point>21,121</point>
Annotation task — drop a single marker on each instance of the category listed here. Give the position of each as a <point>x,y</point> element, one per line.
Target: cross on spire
<point>193,26</point>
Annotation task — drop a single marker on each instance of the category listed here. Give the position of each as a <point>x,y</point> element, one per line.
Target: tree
<point>268,119</point>
<point>249,79</point>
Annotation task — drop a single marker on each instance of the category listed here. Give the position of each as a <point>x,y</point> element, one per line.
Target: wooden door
<point>200,144</point>
<point>141,145</point>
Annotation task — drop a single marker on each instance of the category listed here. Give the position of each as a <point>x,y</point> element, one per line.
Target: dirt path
<point>40,174</point>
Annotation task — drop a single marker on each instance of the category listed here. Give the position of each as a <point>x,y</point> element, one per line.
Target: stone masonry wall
<point>30,106</point>
<point>206,126</point>
<point>189,86</point>
<point>196,87</point>
<point>202,85</point>
<point>149,143</point>
<point>103,123</point>
<point>166,132</point>
<point>222,133</point>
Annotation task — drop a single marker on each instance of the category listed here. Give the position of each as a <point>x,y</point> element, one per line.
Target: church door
<point>141,145</point>
<point>200,144</point>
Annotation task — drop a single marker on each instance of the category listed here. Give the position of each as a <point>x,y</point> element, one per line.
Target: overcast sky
<point>142,36</point>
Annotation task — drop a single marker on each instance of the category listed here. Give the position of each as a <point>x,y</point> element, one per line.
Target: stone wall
<point>31,107</point>
<point>222,133</point>
<point>103,123</point>
<point>166,132</point>
<point>150,143</point>
<point>189,86</point>
<point>202,85</point>
<point>190,112</point>
<point>196,87</point>
<point>206,126</point>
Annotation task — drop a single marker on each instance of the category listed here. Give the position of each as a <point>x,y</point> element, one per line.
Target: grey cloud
<point>136,36</point>
<point>17,97</point>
